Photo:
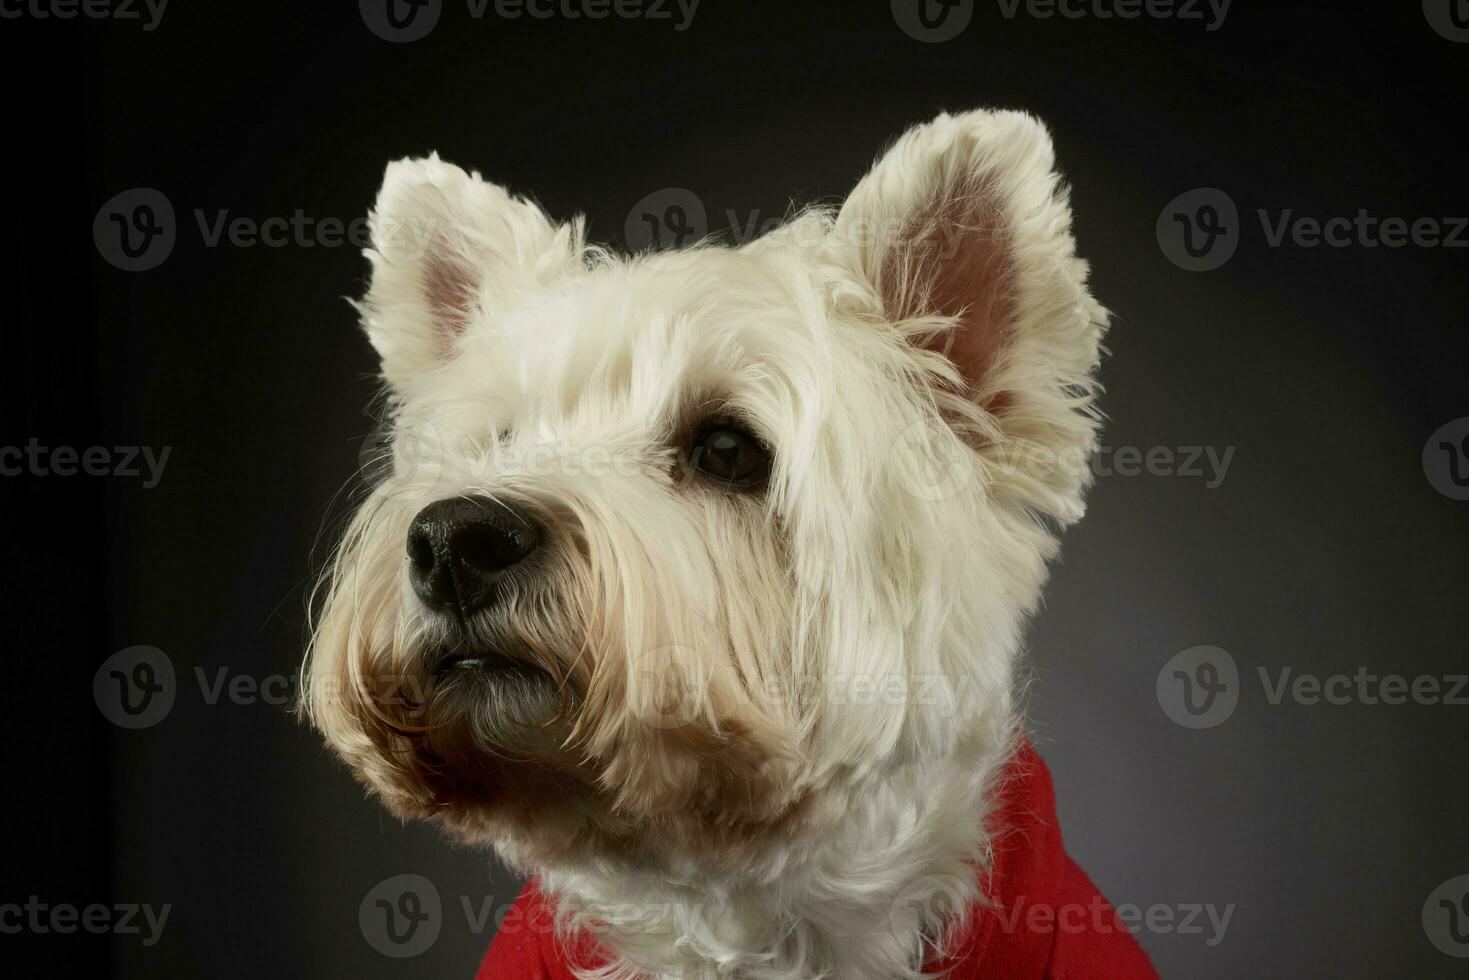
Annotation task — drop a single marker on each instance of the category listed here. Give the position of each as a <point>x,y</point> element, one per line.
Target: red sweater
<point>1049,921</point>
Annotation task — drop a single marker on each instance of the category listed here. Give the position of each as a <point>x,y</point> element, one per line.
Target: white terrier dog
<point>698,584</point>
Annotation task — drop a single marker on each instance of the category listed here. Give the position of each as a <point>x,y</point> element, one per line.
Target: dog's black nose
<point>460,549</point>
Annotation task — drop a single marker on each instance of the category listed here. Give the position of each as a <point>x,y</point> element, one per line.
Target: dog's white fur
<point>840,650</point>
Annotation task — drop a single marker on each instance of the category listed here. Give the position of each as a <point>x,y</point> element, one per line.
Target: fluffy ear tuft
<point>447,247</point>
<point>963,232</point>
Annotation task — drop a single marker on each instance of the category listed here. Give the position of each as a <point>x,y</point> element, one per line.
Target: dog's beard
<point>459,704</point>
<point>482,711</point>
<point>607,691</point>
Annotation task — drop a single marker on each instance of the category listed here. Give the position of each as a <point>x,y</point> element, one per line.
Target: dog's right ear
<point>962,231</point>
<point>447,246</point>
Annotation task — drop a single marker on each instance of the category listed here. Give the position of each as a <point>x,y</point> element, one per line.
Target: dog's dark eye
<point>730,456</point>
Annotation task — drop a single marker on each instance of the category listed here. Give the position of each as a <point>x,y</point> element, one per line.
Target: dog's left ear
<point>447,246</point>
<point>963,232</point>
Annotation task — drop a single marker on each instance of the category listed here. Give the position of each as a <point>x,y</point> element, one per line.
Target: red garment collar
<point>1044,920</point>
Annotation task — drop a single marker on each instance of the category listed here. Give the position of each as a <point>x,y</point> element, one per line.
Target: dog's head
<point>675,548</point>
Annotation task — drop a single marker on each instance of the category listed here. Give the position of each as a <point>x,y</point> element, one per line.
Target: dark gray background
<point>1325,548</point>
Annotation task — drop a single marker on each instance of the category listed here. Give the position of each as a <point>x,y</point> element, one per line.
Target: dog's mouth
<point>504,695</point>
<point>487,662</point>
<point>486,717</point>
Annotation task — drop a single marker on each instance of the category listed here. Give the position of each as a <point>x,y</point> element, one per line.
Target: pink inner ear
<point>449,288</point>
<point>958,263</point>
